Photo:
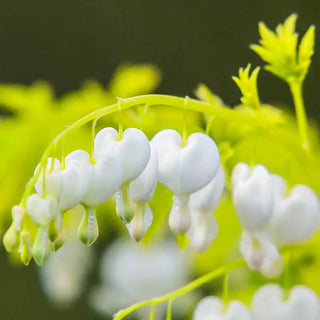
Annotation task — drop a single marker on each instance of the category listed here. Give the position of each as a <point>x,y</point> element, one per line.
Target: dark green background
<point>67,41</point>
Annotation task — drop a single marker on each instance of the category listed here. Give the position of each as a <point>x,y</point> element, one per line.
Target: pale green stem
<point>151,100</point>
<point>152,312</point>
<point>183,290</point>
<point>296,91</point>
<point>169,310</point>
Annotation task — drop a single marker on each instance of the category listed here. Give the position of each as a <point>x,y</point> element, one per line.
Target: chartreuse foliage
<point>253,132</point>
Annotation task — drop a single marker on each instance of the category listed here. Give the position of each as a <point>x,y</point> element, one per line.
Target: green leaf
<point>248,85</point>
<point>280,50</point>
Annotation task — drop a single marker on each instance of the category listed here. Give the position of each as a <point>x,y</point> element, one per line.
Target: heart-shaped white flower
<point>105,177</point>
<point>253,196</point>
<point>185,169</point>
<point>302,304</point>
<point>133,151</point>
<point>42,211</point>
<point>67,186</point>
<point>212,308</point>
<point>296,217</point>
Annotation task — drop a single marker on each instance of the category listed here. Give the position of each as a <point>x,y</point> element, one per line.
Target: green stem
<point>183,290</point>
<point>151,100</point>
<point>296,91</point>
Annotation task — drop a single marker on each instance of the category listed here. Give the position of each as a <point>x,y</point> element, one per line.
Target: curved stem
<point>150,100</point>
<point>183,290</point>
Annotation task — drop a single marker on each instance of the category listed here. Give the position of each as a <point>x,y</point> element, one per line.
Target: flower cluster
<point>268,303</point>
<point>128,166</point>
<point>271,215</point>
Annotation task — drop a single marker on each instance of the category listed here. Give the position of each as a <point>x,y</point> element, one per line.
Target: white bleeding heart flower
<point>256,247</point>
<point>67,186</point>
<point>212,308</point>
<point>185,170</point>
<point>269,304</point>
<point>141,190</point>
<point>133,151</point>
<point>253,196</point>
<point>105,177</point>
<point>295,217</point>
<point>42,211</point>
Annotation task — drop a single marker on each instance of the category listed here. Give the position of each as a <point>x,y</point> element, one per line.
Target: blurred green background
<point>67,41</point>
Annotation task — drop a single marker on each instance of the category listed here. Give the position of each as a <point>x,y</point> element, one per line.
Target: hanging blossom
<point>140,175</point>
<point>213,308</point>
<point>270,303</point>
<point>204,227</point>
<point>271,215</point>
<point>184,170</point>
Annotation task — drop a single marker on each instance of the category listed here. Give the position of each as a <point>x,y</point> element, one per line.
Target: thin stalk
<point>302,121</point>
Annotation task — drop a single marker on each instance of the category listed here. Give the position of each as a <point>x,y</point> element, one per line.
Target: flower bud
<point>55,227</point>
<point>42,211</point>
<point>25,248</point>
<point>132,152</point>
<point>41,247</point>
<point>11,239</point>
<point>268,303</point>
<point>187,169</point>
<point>88,229</point>
<point>253,196</point>
<point>213,308</point>
<point>296,217</point>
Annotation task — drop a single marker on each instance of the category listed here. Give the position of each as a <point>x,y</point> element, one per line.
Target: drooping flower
<point>68,185</point>
<point>213,308</point>
<point>296,216</point>
<point>184,170</point>
<point>269,303</point>
<point>253,195</point>
<point>132,152</point>
<point>141,191</point>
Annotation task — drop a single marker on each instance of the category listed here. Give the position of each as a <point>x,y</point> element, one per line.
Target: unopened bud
<point>88,229</point>
<point>41,247</point>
